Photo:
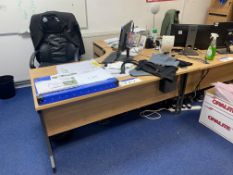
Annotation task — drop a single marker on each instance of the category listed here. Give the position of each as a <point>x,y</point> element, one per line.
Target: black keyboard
<point>111,58</point>
<point>224,51</point>
<point>115,57</point>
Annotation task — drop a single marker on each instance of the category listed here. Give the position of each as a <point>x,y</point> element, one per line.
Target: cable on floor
<point>155,115</point>
<point>152,114</point>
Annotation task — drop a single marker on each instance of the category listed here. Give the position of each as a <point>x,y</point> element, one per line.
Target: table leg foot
<point>52,160</point>
<point>49,146</point>
<point>181,92</point>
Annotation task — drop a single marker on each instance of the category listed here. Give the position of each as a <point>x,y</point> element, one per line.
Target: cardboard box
<point>217,115</point>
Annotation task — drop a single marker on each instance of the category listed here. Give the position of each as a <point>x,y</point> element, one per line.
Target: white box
<point>217,115</point>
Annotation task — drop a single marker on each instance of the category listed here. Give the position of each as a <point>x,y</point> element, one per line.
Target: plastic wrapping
<point>224,91</point>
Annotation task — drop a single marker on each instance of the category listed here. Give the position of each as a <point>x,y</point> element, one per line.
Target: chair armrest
<point>76,55</point>
<point>32,58</point>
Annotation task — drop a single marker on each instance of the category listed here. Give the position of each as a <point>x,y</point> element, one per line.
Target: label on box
<point>217,115</point>
<point>219,104</point>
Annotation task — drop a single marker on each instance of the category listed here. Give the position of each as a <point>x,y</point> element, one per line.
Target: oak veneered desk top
<point>144,54</point>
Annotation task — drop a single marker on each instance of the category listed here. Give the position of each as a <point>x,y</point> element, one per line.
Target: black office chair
<point>56,38</point>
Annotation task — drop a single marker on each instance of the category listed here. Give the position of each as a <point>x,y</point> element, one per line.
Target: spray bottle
<point>211,52</point>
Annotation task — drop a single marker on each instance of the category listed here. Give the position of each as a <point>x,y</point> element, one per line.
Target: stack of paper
<point>72,75</point>
<point>92,77</point>
<point>115,68</point>
<point>112,41</point>
<point>78,67</point>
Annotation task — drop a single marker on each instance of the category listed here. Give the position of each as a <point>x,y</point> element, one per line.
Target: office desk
<point>73,113</point>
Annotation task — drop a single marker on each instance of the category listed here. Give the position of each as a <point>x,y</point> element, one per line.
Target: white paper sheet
<point>225,59</point>
<point>93,77</point>
<point>79,67</point>
<point>112,40</point>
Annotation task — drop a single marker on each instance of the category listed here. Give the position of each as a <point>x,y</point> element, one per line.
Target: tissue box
<point>217,115</point>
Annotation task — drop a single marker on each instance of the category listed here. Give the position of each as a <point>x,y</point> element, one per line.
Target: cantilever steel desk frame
<point>76,112</point>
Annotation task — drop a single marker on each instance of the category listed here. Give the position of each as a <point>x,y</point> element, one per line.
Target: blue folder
<point>75,92</point>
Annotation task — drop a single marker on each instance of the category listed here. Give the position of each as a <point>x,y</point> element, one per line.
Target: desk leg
<point>50,151</point>
<point>181,92</point>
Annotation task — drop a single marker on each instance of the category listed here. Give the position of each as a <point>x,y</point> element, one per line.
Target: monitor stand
<point>126,57</point>
<point>117,56</point>
<point>190,42</point>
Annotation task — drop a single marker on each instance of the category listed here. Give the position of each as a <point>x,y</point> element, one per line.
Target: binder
<point>76,91</point>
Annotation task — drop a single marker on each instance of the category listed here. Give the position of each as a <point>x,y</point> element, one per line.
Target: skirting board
<point>22,84</point>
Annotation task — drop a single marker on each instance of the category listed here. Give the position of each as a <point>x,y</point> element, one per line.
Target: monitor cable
<point>197,59</point>
<point>197,88</point>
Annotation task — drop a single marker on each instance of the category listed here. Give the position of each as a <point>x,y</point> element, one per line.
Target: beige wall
<point>104,19</point>
<point>195,11</point>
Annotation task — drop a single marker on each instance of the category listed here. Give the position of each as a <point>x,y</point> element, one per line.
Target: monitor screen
<point>123,45</point>
<point>203,36</point>
<point>124,36</point>
<point>224,30</point>
<point>202,41</point>
<point>180,31</point>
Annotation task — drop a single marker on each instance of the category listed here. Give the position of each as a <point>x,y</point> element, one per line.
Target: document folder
<point>76,91</point>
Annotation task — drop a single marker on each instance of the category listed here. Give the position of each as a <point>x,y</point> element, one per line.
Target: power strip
<point>193,108</point>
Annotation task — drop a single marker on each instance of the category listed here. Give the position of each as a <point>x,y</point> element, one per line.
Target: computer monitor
<point>225,32</point>
<point>185,36</point>
<point>124,44</point>
<point>191,36</point>
<point>221,40</point>
<point>180,31</point>
<point>203,36</point>
<point>125,40</point>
